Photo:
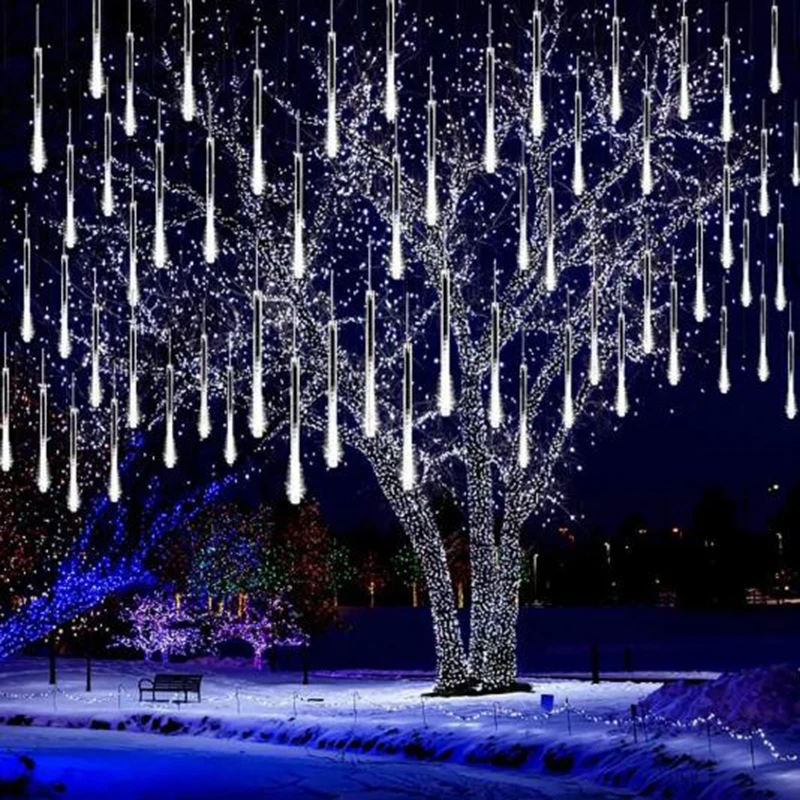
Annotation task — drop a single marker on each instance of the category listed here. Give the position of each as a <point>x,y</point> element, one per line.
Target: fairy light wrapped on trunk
<point>96,79</point>
<point>38,154</point>
<point>129,123</point>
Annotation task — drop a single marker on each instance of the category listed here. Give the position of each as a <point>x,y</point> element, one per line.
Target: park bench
<point>172,684</point>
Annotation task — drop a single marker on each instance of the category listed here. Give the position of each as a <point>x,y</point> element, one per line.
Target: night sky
<point>680,440</point>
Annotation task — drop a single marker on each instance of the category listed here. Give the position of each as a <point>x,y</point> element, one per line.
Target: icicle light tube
<point>622,388</point>
<point>490,138</point>
<point>96,80</point>
<point>295,485</point>
<point>523,248</point>
<point>257,417</point>
<point>495,397</point>
<point>568,412</point>
<point>746,292</point>
<point>674,366</point>
<point>299,255</point>
<point>73,490</point>
<point>700,308</point>
<point>27,329</point>
<point>763,360</point>
<point>230,403</point>
<point>332,128</point>
<point>114,486</point>
<point>578,180</point>
<point>724,382</point>
<point>133,372</point>
<point>333,447</point>
<point>550,275</point>
<point>726,248</point>
<point>726,126</point>
<point>390,100</point>
<point>685,102</point>
<point>108,204</point>
<point>6,458</point>
<point>763,198</point>
<point>38,155</point>
<point>616,95</point>
<point>210,249</point>
<point>791,399</point>
<point>774,71</point>
<point>43,467</point>
<point>523,443</point>
<point>257,167</point>
<point>446,392</point>
<point>408,470</point>
<point>431,196</point>
<point>370,355</point>
<point>170,450</point>
<point>203,417</point>
<point>64,337</point>
<point>70,228</point>
<point>780,248</point>
<point>647,164</point>
<point>133,247</point>
<point>95,388</point>
<point>647,301</point>
<point>594,329</point>
<point>397,262</point>
<point>537,113</point>
<point>187,95</point>
<point>160,238</point>
<point>130,86</point>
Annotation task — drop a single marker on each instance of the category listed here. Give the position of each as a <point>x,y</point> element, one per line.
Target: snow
<point>93,764</point>
<point>359,717</point>
<point>768,698</point>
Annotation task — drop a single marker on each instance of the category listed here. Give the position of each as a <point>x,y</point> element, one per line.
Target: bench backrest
<point>169,682</point>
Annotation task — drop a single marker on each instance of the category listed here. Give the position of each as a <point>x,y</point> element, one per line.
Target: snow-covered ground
<point>588,736</point>
<point>100,764</point>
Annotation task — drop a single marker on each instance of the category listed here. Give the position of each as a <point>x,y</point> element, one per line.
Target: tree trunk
<point>51,655</point>
<point>88,671</point>
<point>414,597</point>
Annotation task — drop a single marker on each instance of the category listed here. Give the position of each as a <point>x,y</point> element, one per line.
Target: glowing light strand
<point>537,112</point>
<point>133,246</point>
<point>397,262</point>
<point>763,198</point>
<point>160,254</point>
<point>495,397</point>
<point>26,329</point>
<point>170,450</point>
<point>647,165</point>
<point>333,446</point>
<point>791,398</point>
<point>523,439</point>
<point>130,123</point>
<point>204,417</point>
<point>726,248</point>
<point>408,470</point>
<point>299,255</point>
<point>724,382</point>
<point>257,167</point>
<point>431,195</point>
<point>230,406</point>
<point>295,485</point>
<point>578,179</point>
<point>685,102</point>
<point>594,328</point>
<point>446,392</point>
<point>674,366</point>
<point>64,337</point>
<point>73,489</point>
<point>70,228</point>
<point>490,136</point>
<point>210,249</point>
<point>763,361</point>
<point>332,128</point>
<point>746,291</point>
<point>523,248</point>
<point>390,99</point>
<point>647,300</point>
<point>257,418</point>
<point>700,308</point>
<point>774,70</point>
<point>550,276</point>
<point>726,126</point>
<point>133,372</point>
<point>780,248</point>
<point>114,483</point>
<point>616,94</point>
<point>95,387</point>
<point>187,97</point>
<point>622,404</point>
<point>108,203</point>
<point>370,355</point>
<point>568,412</point>
<point>6,456</point>
<point>43,466</point>
<point>96,79</point>
<point>38,156</point>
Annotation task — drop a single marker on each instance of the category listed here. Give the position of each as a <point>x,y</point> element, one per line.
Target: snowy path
<point>102,764</point>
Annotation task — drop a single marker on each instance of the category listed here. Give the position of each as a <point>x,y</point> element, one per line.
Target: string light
<point>96,80</point>
<point>38,154</point>
<point>490,138</point>
<point>130,88</point>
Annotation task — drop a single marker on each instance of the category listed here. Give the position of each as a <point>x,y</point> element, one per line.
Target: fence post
<point>119,697</point>
<point>294,704</point>
<point>633,717</point>
<point>355,708</point>
<point>594,654</point>
<point>494,710</point>
<point>569,719</point>
<point>424,718</point>
<point>238,702</point>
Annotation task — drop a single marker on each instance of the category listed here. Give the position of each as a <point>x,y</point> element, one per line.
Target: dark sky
<point>680,440</point>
